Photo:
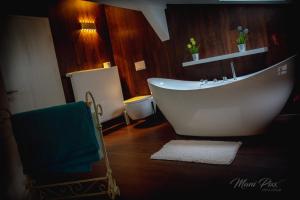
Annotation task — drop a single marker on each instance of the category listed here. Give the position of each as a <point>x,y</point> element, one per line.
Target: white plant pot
<point>242,47</point>
<point>195,56</point>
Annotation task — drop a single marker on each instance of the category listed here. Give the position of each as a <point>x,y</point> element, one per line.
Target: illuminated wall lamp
<point>88,27</point>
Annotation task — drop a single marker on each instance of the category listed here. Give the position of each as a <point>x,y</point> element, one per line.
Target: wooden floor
<point>139,177</point>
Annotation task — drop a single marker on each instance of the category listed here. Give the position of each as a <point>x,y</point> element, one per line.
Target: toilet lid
<point>137,99</point>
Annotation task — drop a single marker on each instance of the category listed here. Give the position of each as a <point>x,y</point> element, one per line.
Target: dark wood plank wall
<point>214,27</point>
<point>133,39</point>
<point>76,50</point>
<point>125,36</point>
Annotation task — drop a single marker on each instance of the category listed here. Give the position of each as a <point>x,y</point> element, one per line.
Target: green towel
<point>56,139</point>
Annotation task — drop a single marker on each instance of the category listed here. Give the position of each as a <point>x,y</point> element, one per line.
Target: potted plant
<point>193,48</point>
<point>242,38</point>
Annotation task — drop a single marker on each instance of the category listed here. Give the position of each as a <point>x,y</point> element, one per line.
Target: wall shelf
<point>225,56</point>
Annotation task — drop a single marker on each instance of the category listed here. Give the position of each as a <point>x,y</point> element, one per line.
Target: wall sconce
<point>88,27</point>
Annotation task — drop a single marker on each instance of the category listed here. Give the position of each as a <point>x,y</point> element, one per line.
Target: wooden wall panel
<point>76,50</point>
<point>125,37</point>
<point>133,39</point>
<point>214,27</point>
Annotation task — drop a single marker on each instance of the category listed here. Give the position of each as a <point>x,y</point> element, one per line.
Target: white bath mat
<point>202,151</point>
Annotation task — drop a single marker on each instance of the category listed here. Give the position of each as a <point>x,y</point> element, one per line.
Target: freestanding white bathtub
<point>240,107</point>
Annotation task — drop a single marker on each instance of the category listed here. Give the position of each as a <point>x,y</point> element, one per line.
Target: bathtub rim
<point>229,81</point>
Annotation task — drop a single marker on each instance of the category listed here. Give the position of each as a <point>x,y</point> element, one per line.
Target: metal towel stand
<point>81,188</point>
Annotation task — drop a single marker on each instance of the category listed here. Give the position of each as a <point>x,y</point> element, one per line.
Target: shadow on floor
<point>279,131</point>
<point>150,121</point>
<point>113,128</point>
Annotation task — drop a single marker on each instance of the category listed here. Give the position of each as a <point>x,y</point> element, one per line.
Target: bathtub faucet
<point>232,70</point>
<point>203,81</point>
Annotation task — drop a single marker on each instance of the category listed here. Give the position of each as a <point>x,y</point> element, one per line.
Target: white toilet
<point>139,107</point>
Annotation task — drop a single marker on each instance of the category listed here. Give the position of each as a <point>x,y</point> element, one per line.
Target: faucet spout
<point>233,70</point>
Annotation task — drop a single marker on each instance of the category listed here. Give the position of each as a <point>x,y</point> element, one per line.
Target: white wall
<point>29,65</point>
<point>12,179</point>
<point>29,68</point>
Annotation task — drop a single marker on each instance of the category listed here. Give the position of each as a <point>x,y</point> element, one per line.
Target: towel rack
<point>105,185</point>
